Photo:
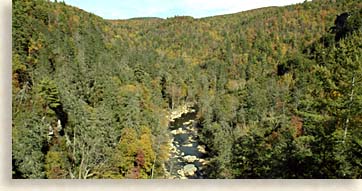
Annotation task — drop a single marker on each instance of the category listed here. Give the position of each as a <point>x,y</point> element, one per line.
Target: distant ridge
<point>138,19</point>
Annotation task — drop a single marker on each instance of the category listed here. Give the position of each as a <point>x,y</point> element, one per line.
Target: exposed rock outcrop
<point>177,113</point>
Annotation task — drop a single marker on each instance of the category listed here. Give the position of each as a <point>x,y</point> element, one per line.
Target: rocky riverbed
<point>188,158</point>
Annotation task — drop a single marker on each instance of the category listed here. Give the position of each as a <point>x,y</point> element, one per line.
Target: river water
<point>186,149</point>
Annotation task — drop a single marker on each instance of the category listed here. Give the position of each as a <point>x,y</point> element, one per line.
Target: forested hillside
<point>278,91</point>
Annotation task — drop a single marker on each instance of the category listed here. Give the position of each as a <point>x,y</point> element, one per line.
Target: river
<point>188,158</point>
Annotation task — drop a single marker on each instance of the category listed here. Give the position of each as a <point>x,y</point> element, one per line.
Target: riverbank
<point>179,111</point>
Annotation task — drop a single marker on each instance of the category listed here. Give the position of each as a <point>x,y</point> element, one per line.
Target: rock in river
<point>190,159</point>
<point>187,145</point>
<point>178,131</point>
<point>189,170</point>
<point>204,162</point>
<point>181,173</point>
<point>188,122</point>
<point>201,149</point>
<point>174,132</point>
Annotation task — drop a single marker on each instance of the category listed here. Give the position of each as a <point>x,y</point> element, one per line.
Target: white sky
<point>124,9</point>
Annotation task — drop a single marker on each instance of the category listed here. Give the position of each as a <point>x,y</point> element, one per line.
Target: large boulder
<point>190,159</point>
<point>189,170</point>
<point>204,162</point>
<point>178,131</point>
<point>201,149</point>
<point>174,132</point>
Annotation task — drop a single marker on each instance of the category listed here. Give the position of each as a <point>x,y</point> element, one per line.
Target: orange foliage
<point>297,123</point>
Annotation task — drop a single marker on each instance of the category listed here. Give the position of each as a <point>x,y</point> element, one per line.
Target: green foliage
<point>55,166</point>
<point>29,137</point>
<point>49,92</point>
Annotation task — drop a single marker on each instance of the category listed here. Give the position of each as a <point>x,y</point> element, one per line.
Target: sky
<point>125,9</point>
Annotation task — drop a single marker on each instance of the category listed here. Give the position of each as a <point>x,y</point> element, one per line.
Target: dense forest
<point>278,91</point>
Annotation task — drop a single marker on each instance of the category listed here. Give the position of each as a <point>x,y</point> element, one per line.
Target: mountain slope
<point>90,96</point>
